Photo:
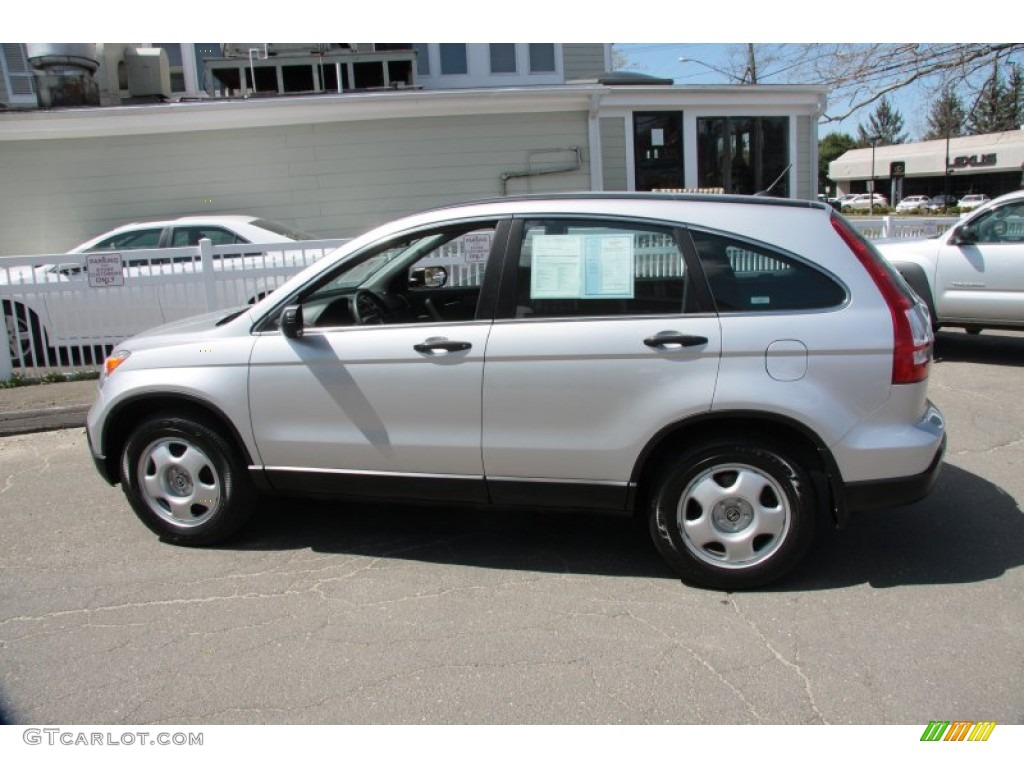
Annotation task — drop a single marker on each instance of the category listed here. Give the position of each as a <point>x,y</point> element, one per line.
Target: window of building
<point>743,155</point>
<point>599,269</point>
<point>454,60</point>
<point>17,74</point>
<point>503,58</point>
<point>542,57</point>
<point>748,277</point>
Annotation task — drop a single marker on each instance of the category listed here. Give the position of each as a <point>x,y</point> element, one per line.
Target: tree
<point>885,123</point>
<point>860,75</point>
<point>946,117</point>
<point>830,147</point>
<point>998,105</point>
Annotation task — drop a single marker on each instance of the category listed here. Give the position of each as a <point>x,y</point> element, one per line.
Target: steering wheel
<point>368,308</point>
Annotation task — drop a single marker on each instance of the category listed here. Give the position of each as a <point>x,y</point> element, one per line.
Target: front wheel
<point>185,481</point>
<point>733,514</point>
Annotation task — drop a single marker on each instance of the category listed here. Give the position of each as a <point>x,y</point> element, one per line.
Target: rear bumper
<point>895,491</point>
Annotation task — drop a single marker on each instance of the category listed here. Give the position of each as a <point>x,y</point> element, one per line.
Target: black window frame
<point>697,297</point>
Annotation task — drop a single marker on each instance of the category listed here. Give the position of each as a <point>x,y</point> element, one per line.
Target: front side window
<point>1000,225</point>
<point>434,276</point>
<point>453,59</point>
<point>593,268</point>
<point>748,277</point>
<point>126,241</point>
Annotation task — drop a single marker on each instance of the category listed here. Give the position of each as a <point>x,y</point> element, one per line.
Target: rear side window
<point>747,277</point>
<point>599,269</point>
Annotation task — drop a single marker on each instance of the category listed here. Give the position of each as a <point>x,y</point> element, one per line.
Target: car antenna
<point>768,192</point>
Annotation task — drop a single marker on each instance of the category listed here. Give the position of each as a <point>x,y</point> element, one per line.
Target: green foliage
<point>830,147</point>
<point>999,104</point>
<point>946,117</point>
<point>886,123</point>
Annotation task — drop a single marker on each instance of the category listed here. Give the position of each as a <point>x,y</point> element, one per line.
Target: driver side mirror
<point>963,235</point>
<point>291,322</point>
<point>428,277</point>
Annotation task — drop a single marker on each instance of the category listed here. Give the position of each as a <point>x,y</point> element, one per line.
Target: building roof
<point>221,114</point>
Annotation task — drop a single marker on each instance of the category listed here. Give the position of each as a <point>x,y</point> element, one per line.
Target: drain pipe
<point>594,137</point>
<point>529,173</point>
<point>252,67</point>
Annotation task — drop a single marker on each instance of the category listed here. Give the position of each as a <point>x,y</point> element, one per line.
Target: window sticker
<point>557,262</point>
<point>582,267</point>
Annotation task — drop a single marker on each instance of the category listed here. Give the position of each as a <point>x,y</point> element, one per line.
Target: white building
<point>335,164</point>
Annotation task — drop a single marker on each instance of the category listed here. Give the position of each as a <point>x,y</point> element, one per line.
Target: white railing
<point>885,227</point>
<point>63,312</point>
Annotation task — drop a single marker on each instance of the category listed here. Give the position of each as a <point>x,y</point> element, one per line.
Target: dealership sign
<point>974,161</point>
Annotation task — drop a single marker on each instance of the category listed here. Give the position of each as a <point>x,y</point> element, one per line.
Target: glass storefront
<point>743,155</point>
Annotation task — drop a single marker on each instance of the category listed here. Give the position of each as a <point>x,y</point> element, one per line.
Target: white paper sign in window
<point>582,267</point>
<point>557,267</point>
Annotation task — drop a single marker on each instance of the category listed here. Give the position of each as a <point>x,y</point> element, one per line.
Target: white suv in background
<point>735,370</point>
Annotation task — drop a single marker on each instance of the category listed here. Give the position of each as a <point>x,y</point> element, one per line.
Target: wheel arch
<point>917,278</point>
<point>127,415</point>
<point>775,429</point>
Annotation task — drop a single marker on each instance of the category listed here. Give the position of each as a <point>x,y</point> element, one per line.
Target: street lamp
<point>871,192</point>
<point>730,75</point>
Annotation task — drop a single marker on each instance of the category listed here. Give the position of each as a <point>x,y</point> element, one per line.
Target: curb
<point>42,419</point>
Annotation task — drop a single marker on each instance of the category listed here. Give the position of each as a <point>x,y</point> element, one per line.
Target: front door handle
<point>670,339</point>
<point>436,344</point>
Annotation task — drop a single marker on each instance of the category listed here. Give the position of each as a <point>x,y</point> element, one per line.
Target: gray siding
<point>582,60</point>
<point>613,154</point>
<point>331,179</point>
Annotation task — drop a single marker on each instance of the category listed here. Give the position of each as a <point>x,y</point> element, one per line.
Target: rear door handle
<point>670,339</point>
<point>434,345</point>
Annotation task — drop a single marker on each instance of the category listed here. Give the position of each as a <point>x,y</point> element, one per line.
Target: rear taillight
<point>911,325</point>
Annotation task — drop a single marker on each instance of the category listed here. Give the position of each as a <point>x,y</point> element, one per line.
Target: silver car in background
<point>733,370</point>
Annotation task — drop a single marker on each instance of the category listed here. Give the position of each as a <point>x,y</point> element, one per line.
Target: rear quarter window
<point>750,277</point>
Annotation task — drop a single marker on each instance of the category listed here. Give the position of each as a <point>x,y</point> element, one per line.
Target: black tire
<point>733,514</point>
<point>26,339</point>
<point>185,481</point>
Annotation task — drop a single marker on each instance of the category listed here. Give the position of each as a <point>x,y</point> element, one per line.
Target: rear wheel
<point>733,514</point>
<point>26,340</point>
<point>185,481</point>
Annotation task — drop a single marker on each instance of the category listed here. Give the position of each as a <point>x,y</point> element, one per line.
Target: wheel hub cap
<point>731,515</point>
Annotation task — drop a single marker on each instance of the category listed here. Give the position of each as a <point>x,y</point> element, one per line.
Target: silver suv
<point>729,368</point>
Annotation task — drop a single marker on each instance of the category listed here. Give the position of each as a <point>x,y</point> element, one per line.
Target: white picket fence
<point>63,312</point>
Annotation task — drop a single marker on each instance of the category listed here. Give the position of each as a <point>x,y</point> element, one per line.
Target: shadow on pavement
<point>989,348</point>
<point>968,530</point>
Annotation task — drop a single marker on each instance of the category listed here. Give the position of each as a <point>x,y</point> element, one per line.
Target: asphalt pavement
<point>330,612</point>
